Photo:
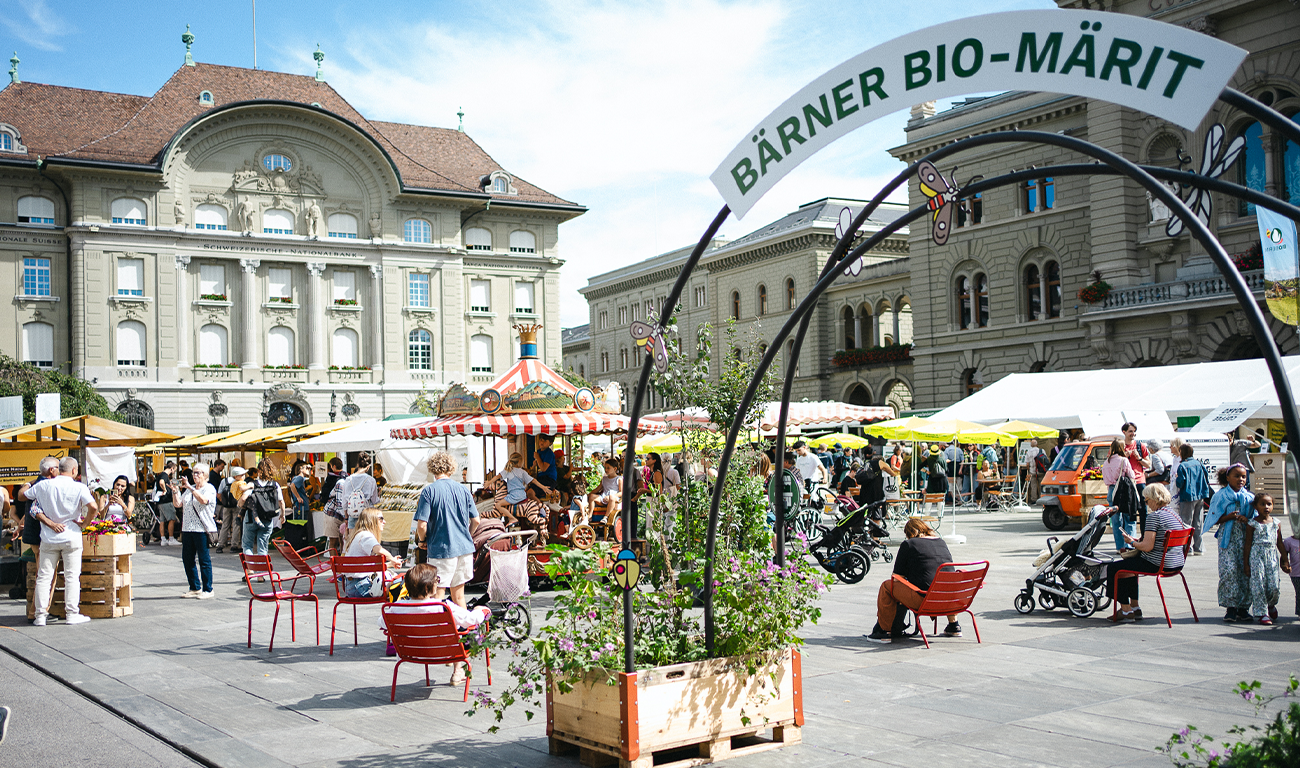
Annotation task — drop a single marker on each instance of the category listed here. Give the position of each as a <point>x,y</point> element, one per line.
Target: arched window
<point>419,350</point>
<point>885,322</point>
<point>480,354</point>
<point>582,371</point>
<point>284,414</point>
<point>128,210</point>
<point>131,343</point>
<point>604,362</point>
<point>212,345</point>
<point>904,321</point>
<point>972,381</point>
<point>866,327</point>
<point>735,305</point>
<point>205,98</point>
<point>859,395</point>
<point>38,344</point>
<point>963,303</point>
<point>523,242</point>
<point>622,358</point>
<point>135,413</point>
<point>345,348</point>
<point>1052,273</point>
<point>478,239</point>
<point>275,162</point>
<point>342,225</point>
<point>500,186</point>
<point>982,300</point>
<point>208,216</point>
<point>789,294</point>
<point>6,141</point>
<point>762,300</point>
<point>280,347</point>
<point>277,222</point>
<point>850,334</point>
<point>417,231</point>
<point>35,210</point>
<point>1033,293</point>
<point>1250,165</point>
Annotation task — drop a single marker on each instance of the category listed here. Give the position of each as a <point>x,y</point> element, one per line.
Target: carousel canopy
<point>529,399</point>
<point>829,413</point>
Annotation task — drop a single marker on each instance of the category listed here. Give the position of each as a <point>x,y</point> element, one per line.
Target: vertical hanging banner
<point>1277,236</point>
<point>1167,71</point>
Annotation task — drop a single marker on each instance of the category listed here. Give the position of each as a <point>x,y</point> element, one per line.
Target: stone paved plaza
<point>1041,690</point>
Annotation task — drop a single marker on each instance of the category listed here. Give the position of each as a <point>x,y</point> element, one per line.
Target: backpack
<point>1040,462</point>
<point>265,502</point>
<point>224,497</point>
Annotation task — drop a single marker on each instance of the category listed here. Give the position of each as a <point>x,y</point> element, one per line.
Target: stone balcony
<point>351,376</point>
<point>1163,296</point>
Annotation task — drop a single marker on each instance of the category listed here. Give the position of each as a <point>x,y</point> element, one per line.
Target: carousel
<point>529,401</point>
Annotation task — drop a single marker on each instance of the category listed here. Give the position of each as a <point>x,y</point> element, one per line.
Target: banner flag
<point>1277,239</point>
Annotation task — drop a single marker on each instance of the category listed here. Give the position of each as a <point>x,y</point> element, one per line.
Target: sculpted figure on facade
<point>313,220</point>
<point>376,225</point>
<point>244,217</point>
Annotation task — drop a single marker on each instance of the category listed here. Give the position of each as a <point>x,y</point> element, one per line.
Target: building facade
<point>756,281</point>
<point>576,345</point>
<point>244,248</point>
<point>1002,296</point>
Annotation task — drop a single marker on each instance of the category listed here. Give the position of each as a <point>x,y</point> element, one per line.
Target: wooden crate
<point>105,588</point>
<point>108,545</point>
<point>680,715</point>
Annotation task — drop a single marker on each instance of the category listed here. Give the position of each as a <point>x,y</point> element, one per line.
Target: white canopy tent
<point>1058,399</point>
<point>404,460</point>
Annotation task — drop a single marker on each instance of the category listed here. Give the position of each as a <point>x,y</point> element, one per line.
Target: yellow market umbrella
<point>1025,429</point>
<point>843,438</point>
<point>909,428</point>
<point>964,431</point>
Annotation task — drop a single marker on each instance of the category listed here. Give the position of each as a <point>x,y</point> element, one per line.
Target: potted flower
<point>212,297</point>
<point>1096,291</point>
<point>681,695</point>
<point>345,302</point>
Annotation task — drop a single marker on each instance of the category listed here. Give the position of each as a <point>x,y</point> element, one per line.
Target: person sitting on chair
<point>918,560</point>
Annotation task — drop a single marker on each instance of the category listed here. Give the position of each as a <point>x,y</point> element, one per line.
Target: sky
<point>624,107</point>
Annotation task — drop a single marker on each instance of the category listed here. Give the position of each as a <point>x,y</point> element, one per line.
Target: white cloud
<point>37,26</point>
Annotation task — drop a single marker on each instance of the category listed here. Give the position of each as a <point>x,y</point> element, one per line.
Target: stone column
<point>315,316</point>
<point>183,310</point>
<point>857,329</point>
<point>897,339</point>
<point>248,296</point>
<point>377,317</point>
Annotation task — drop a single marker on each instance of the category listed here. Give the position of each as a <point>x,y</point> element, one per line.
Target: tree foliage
<point>78,397</point>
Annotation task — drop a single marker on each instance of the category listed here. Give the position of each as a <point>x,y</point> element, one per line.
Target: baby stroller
<point>505,554</point>
<point>1068,574</point>
<point>866,527</point>
<point>145,521</point>
<point>847,548</point>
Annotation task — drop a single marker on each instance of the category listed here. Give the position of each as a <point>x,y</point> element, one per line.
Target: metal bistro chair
<point>952,592</point>
<point>425,633</point>
<point>355,567</point>
<point>260,565</point>
<point>301,559</point>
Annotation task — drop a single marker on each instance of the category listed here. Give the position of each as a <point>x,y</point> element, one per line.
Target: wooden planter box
<point>1093,492</point>
<point>105,585</point>
<point>108,545</point>
<point>680,715</point>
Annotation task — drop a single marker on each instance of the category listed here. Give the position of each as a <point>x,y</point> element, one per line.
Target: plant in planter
<point>345,302</point>
<point>213,297</point>
<point>1250,260</point>
<point>282,299</point>
<point>885,354</point>
<point>1096,291</point>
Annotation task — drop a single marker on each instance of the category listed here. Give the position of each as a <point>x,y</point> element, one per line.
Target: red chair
<point>301,561</point>
<point>356,568</point>
<point>1173,540</point>
<point>952,592</point>
<point>260,566</point>
<point>425,633</point>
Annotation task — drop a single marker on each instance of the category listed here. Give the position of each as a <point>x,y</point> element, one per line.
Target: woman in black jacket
<point>918,560</point>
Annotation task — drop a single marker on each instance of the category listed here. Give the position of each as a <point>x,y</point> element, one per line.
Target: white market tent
<point>1057,399</point>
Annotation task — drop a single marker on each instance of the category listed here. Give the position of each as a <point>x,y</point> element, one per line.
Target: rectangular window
<point>699,296</point>
<point>480,354</point>
<point>480,292</point>
<point>280,284</point>
<point>524,298</point>
<point>971,211</point>
<point>622,315</point>
<point>212,280</point>
<point>1031,196</point>
<point>604,362</point>
<point>130,277</point>
<point>36,277</point>
<point>345,286</point>
<point>1049,193</point>
<point>417,293</point>
<point>1040,195</point>
<point>602,321</point>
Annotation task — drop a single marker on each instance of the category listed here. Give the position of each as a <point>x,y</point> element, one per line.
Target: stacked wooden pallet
<point>105,579</point>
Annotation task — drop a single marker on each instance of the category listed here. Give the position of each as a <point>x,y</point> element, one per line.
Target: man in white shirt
<point>62,501</point>
<point>809,466</point>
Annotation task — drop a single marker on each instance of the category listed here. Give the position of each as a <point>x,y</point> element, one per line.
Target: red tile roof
<point>94,125</point>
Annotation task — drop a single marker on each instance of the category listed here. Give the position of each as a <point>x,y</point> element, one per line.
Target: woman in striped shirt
<point>1161,519</point>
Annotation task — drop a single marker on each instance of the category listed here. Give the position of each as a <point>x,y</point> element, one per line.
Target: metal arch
<point>1121,165</point>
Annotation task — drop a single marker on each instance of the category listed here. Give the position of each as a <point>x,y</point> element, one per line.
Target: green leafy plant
<point>1096,291</point>
<point>1274,745</point>
<point>77,397</point>
<point>891,353</point>
<point>213,297</point>
<point>345,302</point>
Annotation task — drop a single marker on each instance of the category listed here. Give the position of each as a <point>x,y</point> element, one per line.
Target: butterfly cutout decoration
<point>846,221</point>
<point>1212,166</point>
<point>651,336</point>
<point>943,197</point>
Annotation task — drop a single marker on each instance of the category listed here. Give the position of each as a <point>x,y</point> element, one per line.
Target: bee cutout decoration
<point>944,198</point>
<point>626,570</point>
<point>846,221</point>
<point>1198,199</point>
<point>651,336</point>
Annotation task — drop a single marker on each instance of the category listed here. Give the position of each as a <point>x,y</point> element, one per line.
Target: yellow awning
<point>246,439</point>
<point>98,431</point>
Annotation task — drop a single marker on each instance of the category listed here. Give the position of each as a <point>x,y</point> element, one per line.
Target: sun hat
<point>934,450</point>
<point>238,472</point>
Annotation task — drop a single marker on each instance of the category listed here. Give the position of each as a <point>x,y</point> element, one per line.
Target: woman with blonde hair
<point>363,541</point>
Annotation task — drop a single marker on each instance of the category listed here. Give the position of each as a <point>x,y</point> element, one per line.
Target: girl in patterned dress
<point>1230,509</point>
<point>1263,556</point>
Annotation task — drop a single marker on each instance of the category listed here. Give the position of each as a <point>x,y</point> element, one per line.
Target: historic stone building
<point>576,344</point>
<point>243,247</point>
<point>1002,296</point>
<point>757,280</point>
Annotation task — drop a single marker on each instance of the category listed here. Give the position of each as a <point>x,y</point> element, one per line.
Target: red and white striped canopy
<point>536,423</point>
<point>528,370</point>
<point>822,412</point>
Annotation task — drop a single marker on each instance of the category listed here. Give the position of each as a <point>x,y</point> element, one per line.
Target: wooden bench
<point>952,592</point>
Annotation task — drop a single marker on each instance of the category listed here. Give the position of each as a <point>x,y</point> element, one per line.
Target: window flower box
<point>856,358</point>
<point>345,302</point>
<point>213,297</point>
<point>339,375</point>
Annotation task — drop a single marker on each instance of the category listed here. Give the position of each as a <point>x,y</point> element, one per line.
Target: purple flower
<point>565,644</point>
